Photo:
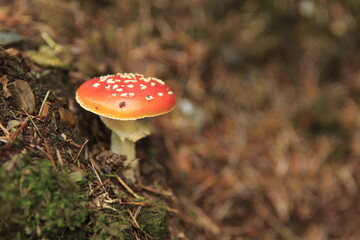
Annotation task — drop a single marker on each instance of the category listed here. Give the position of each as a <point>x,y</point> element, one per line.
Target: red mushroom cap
<point>125,96</point>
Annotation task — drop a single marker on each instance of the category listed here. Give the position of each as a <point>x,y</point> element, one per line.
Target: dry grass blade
<point>43,103</point>
<point>97,175</point>
<point>81,149</point>
<point>123,183</point>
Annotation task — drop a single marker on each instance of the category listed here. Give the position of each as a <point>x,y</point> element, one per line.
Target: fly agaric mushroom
<point>122,101</point>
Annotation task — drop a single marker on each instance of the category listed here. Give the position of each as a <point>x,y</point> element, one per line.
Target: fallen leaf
<point>24,96</point>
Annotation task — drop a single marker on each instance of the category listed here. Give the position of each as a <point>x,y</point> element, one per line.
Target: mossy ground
<point>39,202</point>
<point>48,193</point>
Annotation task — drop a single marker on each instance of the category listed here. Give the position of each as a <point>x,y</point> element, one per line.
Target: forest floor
<point>263,143</point>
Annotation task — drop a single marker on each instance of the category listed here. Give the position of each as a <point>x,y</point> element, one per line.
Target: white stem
<point>124,134</point>
<point>125,147</point>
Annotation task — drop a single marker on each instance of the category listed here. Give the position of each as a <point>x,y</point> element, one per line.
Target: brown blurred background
<point>265,140</point>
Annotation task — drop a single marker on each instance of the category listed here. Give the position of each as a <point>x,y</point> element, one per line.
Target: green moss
<point>153,219</point>
<point>111,226</point>
<point>39,202</point>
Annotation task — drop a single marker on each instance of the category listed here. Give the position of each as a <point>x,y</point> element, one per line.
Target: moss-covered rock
<point>39,202</point>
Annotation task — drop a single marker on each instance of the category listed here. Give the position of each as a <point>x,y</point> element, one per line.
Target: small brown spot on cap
<point>122,104</point>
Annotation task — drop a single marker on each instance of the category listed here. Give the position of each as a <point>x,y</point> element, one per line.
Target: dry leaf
<point>24,96</point>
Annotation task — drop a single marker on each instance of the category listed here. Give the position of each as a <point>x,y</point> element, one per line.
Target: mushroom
<point>122,101</point>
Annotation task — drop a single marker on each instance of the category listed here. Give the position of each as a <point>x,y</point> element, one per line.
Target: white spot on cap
<point>119,89</point>
<point>170,92</point>
<point>115,86</point>
<point>110,80</point>
<point>127,94</point>
<point>114,94</point>
<point>96,85</point>
<point>142,86</point>
<point>160,94</point>
<point>103,78</point>
<point>158,81</point>
<point>107,86</point>
<point>152,83</point>
<point>130,85</point>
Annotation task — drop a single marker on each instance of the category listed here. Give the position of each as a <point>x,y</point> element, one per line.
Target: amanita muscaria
<point>122,101</point>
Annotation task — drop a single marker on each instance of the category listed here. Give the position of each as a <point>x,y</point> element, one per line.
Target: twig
<point>99,186</point>
<point>16,133</point>
<point>127,187</point>
<point>138,210</point>
<point>47,148</point>
<point>106,181</point>
<point>133,219</point>
<point>5,131</point>
<point>109,200</point>
<point>28,115</point>
<point>173,210</point>
<point>135,203</point>
<point>97,175</point>
<point>73,143</point>
<point>135,223</point>
<point>58,155</point>
<point>41,150</point>
<point>81,149</point>
<point>150,189</point>
<point>32,121</point>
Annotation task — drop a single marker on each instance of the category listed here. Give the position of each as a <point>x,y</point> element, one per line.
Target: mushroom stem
<point>125,147</point>
<point>123,138</point>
